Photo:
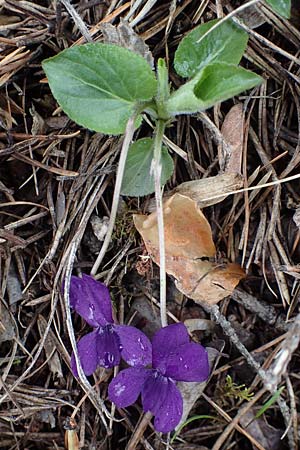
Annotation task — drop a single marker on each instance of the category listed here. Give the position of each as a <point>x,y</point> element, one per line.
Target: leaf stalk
<point>129,132</point>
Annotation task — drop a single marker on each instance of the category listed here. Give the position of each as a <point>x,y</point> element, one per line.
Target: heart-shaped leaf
<point>224,44</point>
<point>138,180</point>
<point>100,85</point>
<point>282,7</point>
<point>215,83</point>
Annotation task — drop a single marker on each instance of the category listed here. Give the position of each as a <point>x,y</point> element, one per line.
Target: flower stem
<point>156,169</point>
<point>129,132</point>
<point>163,90</point>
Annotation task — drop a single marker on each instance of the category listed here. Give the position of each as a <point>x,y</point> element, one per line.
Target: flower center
<point>105,330</point>
<point>159,376</point>
<point>111,346</point>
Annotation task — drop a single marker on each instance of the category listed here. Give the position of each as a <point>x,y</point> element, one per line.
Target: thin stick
<point>229,331</point>
<point>38,352</point>
<point>229,419</point>
<point>146,8</point>
<point>288,347</point>
<point>232,14</point>
<point>230,427</point>
<point>77,19</point>
<point>252,188</point>
<point>265,376</point>
<point>139,431</point>
<point>115,203</point>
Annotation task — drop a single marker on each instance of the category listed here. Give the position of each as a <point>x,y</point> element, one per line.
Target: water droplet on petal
<point>91,311</point>
<point>141,344</point>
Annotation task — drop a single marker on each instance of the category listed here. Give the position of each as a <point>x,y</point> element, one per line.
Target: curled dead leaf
<point>189,250</point>
<point>49,347</point>
<point>71,437</point>
<point>125,36</point>
<point>212,190</point>
<point>208,282</point>
<point>233,130</point>
<point>187,232</point>
<point>7,325</point>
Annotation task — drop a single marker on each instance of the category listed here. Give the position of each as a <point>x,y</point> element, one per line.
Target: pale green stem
<point>129,132</point>
<point>156,170</point>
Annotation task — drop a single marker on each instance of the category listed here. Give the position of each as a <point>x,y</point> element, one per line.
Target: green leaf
<point>137,180</point>
<point>224,44</point>
<point>222,81</point>
<point>187,422</point>
<point>282,7</point>
<point>214,84</point>
<point>100,85</point>
<point>270,402</point>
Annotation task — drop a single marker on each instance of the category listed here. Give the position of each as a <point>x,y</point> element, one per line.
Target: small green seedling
<point>270,402</point>
<point>187,422</point>
<point>102,86</point>
<point>239,392</point>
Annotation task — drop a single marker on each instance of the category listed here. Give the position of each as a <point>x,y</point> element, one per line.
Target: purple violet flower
<point>108,342</point>
<point>174,358</point>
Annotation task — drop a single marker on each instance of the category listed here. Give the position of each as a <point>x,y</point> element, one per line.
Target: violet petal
<point>188,363</point>
<point>169,417</point>
<point>162,398</point>
<point>91,300</point>
<point>125,388</point>
<point>136,349</point>
<point>108,347</point>
<point>154,391</point>
<point>87,351</point>
<point>165,342</point>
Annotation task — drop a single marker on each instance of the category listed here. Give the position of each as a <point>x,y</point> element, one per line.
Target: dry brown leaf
<point>14,288</point>
<point>296,217</point>
<point>187,232</point>
<point>203,191</point>
<point>49,347</point>
<point>125,36</point>
<point>199,324</point>
<point>188,239</point>
<point>233,133</point>
<point>208,282</point>
<point>268,436</point>
<point>252,17</point>
<point>7,325</point>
